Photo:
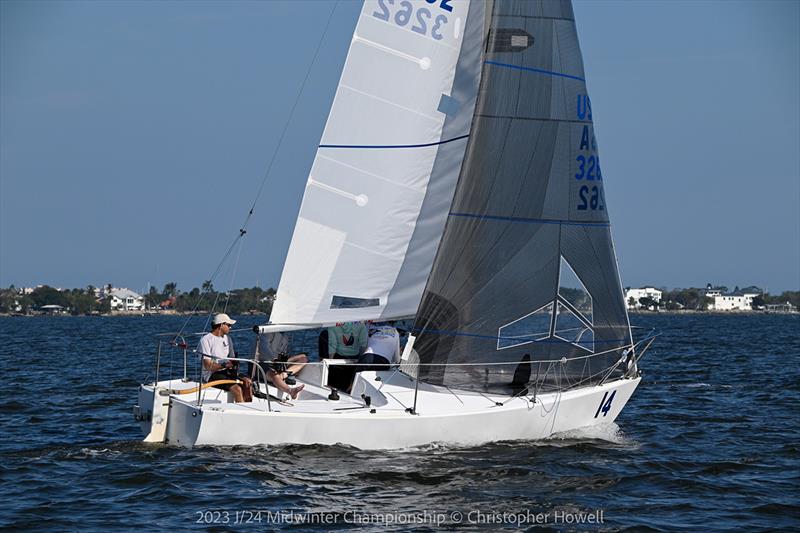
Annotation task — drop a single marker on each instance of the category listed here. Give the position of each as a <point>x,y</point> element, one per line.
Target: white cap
<point>222,318</point>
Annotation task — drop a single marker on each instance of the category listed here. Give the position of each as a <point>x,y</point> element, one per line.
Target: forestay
<point>526,264</point>
<point>379,190</point>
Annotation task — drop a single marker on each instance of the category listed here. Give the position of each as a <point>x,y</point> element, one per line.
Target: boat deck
<point>391,392</point>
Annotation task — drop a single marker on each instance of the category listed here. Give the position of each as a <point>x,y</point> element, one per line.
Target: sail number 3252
<point>590,196</point>
<point>421,19</point>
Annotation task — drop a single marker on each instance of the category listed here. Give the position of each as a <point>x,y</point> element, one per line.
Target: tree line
<point>77,301</point>
<point>257,300</point>
<point>207,299</point>
<point>86,302</point>
<point>696,300</point>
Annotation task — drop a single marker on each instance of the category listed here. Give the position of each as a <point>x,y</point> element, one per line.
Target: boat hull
<point>516,419</point>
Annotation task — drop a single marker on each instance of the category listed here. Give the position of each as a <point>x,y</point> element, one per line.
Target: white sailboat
<point>457,182</point>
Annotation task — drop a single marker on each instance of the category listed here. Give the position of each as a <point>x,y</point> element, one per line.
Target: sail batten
<point>530,220</point>
<point>536,70</point>
<point>390,146</point>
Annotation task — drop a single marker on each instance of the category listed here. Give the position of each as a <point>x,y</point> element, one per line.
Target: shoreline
<point>710,313</point>
<point>254,313</point>
<point>118,314</point>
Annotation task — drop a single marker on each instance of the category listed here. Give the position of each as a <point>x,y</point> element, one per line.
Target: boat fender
<point>333,396</point>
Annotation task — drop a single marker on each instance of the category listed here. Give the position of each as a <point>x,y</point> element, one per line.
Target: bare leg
<point>278,381</point>
<point>236,390</point>
<point>247,389</point>
<point>299,360</point>
<point>295,392</point>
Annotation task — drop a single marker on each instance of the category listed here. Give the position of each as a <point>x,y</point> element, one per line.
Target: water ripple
<point>709,441</point>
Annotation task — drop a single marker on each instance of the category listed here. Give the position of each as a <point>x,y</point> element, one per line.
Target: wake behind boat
<point>457,182</point>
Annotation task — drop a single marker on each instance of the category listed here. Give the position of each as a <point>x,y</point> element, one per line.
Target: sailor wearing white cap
<point>215,348</point>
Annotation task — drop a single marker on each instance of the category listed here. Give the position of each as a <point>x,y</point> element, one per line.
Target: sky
<point>134,137</point>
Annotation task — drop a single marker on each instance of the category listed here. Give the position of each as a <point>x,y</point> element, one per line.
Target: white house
<point>713,292</point>
<point>733,301</point>
<point>126,300</point>
<point>632,296</point>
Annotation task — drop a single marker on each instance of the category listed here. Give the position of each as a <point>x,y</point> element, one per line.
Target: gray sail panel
<point>529,200</point>
<point>444,174</point>
<point>588,250</point>
<point>534,8</point>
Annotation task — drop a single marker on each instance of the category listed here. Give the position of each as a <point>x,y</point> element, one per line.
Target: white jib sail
<point>382,181</point>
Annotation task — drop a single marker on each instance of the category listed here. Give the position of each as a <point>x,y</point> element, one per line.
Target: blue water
<point>709,440</point>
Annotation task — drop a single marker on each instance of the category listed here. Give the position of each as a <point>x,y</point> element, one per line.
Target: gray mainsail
<point>526,265</point>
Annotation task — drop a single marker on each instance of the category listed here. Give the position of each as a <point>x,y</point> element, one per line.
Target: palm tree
<point>170,289</point>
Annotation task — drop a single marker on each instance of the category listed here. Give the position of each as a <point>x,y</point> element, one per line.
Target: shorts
<point>223,374</point>
<point>372,361</point>
<point>277,365</point>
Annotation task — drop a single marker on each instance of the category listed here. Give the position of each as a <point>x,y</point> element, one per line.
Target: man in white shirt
<point>383,348</point>
<point>215,348</point>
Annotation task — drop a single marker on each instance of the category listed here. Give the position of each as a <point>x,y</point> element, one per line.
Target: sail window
<point>529,328</point>
<point>519,41</point>
<point>508,40</point>
<point>572,291</point>
<point>572,329</point>
<point>348,302</point>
